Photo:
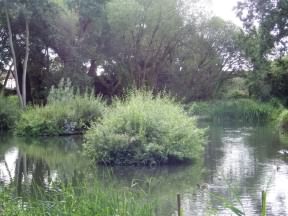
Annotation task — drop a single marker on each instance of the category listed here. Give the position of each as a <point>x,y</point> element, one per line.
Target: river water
<point>239,162</point>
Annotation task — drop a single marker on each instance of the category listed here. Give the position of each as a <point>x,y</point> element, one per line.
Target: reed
<point>83,200</point>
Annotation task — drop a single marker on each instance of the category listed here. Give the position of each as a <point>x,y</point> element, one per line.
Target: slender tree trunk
<point>25,63</point>
<point>6,79</point>
<point>14,56</point>
<point>47,60</point>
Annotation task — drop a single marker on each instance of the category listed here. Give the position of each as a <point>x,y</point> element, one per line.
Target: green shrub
<point>144,130</point>
<point>9,112</point>
<point>236,109</point>
<point>67,112</point>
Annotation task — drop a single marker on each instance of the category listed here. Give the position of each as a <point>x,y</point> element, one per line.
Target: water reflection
<point>243,161</point>
<point>27,163</point>
<point>239,163</point>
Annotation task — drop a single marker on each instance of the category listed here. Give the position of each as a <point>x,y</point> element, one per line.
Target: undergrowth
<point>9,112</point>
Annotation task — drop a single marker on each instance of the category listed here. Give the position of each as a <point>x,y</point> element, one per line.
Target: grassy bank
<point>75,201</point>
<point>236,109</point>
<point>67,112</point>
<point>9,112</point>
<point>144,130</point>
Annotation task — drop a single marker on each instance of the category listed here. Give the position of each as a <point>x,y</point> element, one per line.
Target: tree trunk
<point>5,81</point>
<point>24,95</point>
<point>13,56</point>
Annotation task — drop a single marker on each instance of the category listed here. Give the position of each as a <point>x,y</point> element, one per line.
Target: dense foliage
<point>9,112</point>
<point>113,45</point>
<point>144,130</point>
<point>67,112</point>
<point>236,109</point>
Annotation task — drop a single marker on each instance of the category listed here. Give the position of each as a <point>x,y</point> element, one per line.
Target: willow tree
<point>209,55</point>
<point>143,36</point>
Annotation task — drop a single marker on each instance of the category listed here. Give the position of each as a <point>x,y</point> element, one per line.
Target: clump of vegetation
<point>75,201</point>
<point>283,121</point>
<point>235,109</point>
<point>9,112</point>
<point>144,130</point>
<point>282,126</point>
<point>67,112</point>
<point>235,88</point>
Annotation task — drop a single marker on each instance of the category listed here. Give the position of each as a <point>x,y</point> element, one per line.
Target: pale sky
<point>224,9</point>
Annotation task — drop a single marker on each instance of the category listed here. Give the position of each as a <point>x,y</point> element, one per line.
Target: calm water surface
<point>239,162</point>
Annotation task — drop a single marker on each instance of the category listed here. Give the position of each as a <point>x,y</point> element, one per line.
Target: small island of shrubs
<point>144,129</point>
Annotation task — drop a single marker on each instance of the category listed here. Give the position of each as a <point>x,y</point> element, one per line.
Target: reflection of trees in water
<point>42,162</point>
<point>30,173</point>
<point>33,175</point>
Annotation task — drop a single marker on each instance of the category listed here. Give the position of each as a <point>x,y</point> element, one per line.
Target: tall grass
<point>9,112</point>
<point>67,112</point>
<point>71,200</point>
<point>236,109</point>
<point>144,129</point>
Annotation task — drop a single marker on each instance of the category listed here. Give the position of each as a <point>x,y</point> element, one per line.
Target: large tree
<point>270,19</point>
<point>142,37</point>
<point>265,38</point>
